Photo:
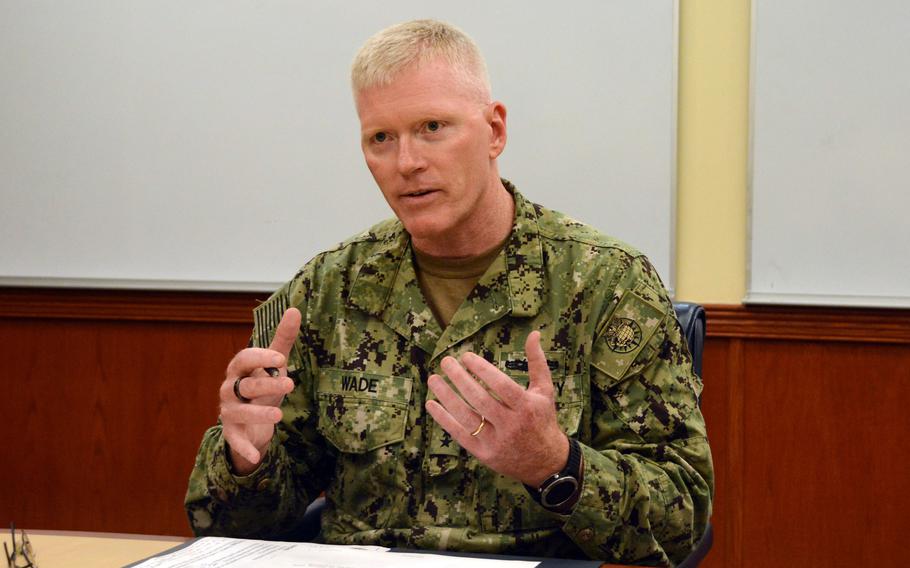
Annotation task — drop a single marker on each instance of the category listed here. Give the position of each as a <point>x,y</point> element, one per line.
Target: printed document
<point>218,552</point>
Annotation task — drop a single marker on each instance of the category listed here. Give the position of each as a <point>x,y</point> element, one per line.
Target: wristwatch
<point>561,489</point>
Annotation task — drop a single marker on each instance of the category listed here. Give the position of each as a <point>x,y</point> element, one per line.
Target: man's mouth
<point>419,193</point>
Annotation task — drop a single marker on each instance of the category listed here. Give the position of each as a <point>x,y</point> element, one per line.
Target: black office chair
<point>692,319</point>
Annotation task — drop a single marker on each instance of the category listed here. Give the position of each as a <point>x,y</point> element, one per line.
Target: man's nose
<point>410,158</point>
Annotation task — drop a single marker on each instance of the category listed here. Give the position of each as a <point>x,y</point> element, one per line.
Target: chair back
<point>692,320</point>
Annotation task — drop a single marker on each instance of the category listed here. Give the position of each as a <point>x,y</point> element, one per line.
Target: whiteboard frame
<point>750,157</point>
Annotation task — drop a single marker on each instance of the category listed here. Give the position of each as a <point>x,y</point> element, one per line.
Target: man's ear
<point>496,117</point>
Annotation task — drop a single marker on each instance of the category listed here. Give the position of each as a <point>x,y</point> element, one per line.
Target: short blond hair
<point>398,47</point>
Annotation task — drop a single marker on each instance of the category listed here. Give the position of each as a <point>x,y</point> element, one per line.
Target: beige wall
<point>712,150</point>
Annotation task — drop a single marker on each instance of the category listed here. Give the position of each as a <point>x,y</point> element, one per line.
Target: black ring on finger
<point>239,396</point>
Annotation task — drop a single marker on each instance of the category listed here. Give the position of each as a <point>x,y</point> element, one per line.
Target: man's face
<point>431,143</point>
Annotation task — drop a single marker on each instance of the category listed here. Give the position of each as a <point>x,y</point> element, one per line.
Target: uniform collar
<point>386,285</point>
<point>524,256</point>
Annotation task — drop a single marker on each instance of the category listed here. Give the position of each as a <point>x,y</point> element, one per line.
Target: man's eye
<point>433,126</point>
<point>380,137</point>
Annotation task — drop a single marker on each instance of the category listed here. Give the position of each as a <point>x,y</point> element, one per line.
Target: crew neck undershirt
<point>446,282</point>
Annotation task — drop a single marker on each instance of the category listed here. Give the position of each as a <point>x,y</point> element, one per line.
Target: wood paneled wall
<point>105,399</point>
<point>808,421</point>
<point>106,395</point>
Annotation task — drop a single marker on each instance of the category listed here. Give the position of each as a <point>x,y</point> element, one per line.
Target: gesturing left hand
<point>520,436</point>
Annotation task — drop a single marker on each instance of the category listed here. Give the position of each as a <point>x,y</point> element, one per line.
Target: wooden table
<point>74,549</point>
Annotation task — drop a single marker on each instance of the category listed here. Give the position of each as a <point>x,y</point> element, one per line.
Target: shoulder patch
<point>627,332</point>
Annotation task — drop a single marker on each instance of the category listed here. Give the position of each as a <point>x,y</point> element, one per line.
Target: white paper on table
<point>216,552</point>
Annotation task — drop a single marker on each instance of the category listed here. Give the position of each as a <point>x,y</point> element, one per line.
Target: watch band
<point>561,489</point>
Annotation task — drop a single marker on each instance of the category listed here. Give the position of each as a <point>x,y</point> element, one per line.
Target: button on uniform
<point>584,535</point>
<point>263,484</point>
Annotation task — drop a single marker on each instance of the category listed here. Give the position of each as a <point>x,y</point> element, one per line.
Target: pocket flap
<point>366,386</point>
<point>359,412</point>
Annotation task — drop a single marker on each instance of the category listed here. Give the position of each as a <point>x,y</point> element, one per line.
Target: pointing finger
<point>286,334</point>
<point>538,371</point>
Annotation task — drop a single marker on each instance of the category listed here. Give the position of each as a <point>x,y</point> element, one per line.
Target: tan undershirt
<point>446,282</point>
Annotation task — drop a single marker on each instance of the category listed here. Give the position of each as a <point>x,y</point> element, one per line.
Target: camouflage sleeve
<point>648,475</point>
<point>268,503</point>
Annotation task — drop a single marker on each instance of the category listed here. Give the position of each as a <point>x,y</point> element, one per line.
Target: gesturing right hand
<point>248,427</point>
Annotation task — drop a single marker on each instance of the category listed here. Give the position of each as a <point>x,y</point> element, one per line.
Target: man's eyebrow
<point>368,132</point>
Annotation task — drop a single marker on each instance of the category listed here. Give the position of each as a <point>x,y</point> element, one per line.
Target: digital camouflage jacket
<point>355,426</point>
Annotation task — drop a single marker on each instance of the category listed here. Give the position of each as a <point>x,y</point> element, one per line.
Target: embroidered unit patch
<point>623,335</point>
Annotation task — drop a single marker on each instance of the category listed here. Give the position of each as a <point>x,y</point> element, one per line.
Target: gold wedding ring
<point>483,422</point>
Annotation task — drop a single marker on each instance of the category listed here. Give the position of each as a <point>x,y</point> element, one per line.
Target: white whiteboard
<point>831,153</point>
<point>214,145</point>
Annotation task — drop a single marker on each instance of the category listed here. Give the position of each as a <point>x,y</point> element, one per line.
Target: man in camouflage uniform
<point>538,398</point>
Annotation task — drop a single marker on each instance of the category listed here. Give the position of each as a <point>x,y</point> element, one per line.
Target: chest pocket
<point>360,412</point>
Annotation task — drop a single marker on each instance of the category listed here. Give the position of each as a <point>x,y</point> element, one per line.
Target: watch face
<point>558,492</point>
